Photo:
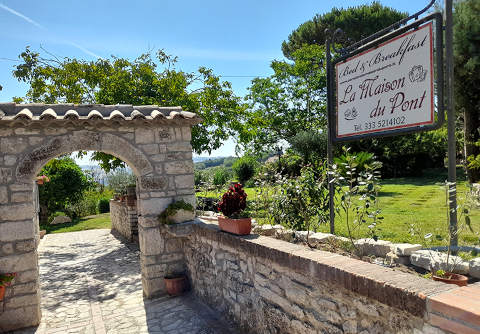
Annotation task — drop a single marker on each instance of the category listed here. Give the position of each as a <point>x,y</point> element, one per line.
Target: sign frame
<point>437,21</point>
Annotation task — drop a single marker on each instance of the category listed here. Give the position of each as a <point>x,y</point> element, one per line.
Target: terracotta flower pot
<point>452,278</point>
<point>175,285</point>
<point>2,292</point>
<point>42,233</point>
<point>240,226</point>
<point>39,181</point>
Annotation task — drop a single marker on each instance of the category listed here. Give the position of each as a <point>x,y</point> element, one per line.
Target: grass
<point>406,202</point>
<point>82,224</point>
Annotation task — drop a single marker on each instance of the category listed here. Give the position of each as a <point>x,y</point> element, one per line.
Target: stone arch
<point>154,141</point>
<point>31,163</point>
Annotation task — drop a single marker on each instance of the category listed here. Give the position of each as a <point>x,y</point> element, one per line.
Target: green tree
<point>67,184</point>
<point>356,22</point>
<point>311,145</point>
<point>467,73</point>
<point>147,80</point>
<point>244,168</point>
<point>290,101</point>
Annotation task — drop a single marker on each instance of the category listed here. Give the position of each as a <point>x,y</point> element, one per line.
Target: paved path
<point>91,283</point>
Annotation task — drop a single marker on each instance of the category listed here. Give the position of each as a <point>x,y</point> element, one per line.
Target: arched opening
<point>87,264</point>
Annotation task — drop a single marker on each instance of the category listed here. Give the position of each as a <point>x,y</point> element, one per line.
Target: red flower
<point>233,201</point>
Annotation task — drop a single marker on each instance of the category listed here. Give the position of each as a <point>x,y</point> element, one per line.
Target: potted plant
<point>177,212</point>
<point>5,280</point>
<point>42,179</point>
<point>450,278</point>
<point>233,202</point>
<point>175,283</point>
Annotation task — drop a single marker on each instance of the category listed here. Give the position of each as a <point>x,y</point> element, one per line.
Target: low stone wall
<point>267,285</point>
<point>124,219</point>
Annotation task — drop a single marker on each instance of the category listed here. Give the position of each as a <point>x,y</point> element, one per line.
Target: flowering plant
<point>43,178</point>
<point>6,279</point>
<point>233,202</point>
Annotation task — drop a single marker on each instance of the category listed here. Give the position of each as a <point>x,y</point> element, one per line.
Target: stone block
<point>13,145</point>
<point>6,175</point>
<point>392,257</point>
<point>22,317</point>
<point>144,136</point>
<point>151,241</point>
<point>186,133</point>
<point>320,238</point>
<point>267,230</point>
<point>179,167</point>
<point>474,268</point>
<point>3,195</point>
<point>9,160</point>
<point>286,235</point>
<point>156,183</point>
<point>16,212</point>
<point>7,248</point>
<point>153,206</point>
<point>164,135</point>
<point>21,301</point>
<point>24,196</point>
<point>25,246</point>
<point>150,149</point>
<point>179,147</point>
<point>11,231</point>
<point>16,263</point>
<point>34,141</point>
<point>61,220</point>
<point>184,181</point>
<point>406,249</point>
<point>378,248</point>
<point>432,260</point>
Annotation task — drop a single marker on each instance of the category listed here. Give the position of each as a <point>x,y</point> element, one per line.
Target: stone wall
<point>271,286</point>
<point>124,219</point>
<point>153,141</point>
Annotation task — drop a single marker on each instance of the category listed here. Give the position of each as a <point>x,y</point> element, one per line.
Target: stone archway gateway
<point>153,141</point>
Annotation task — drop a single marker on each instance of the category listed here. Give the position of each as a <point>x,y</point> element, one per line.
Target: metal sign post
<point>392,83</point>
<point>452,157</point>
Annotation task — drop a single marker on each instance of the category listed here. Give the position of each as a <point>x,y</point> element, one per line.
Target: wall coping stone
<point>397,289</point>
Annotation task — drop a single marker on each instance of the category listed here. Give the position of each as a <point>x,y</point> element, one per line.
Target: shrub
<point>360,162</point>
<point>221,176</point>
<point>104,205</point>
<point>244,168</point>
<point>233,202</point>
<point>67,184</point>
<point>120,179</point>
<point>311,145</point>
<point>199,178</point>
<point>302,202</point>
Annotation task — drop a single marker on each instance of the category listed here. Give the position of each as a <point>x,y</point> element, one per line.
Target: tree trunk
<point>472,135</point>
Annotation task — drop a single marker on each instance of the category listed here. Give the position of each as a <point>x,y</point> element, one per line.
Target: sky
<point>237,39</point>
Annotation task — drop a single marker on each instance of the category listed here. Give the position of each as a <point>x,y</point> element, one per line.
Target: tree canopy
<point>67,184</point>
<point>356,22</point>
<point>467,73</point>
<point>291,100</point>
<point>147,80</point>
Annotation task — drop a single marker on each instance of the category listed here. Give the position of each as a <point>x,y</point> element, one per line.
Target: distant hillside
<point>214,162</point>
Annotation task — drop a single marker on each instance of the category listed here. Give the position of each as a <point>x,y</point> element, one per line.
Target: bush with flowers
<point>233,202</point>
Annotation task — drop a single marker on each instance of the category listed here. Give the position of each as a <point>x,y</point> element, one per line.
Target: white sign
<point>387,87</point>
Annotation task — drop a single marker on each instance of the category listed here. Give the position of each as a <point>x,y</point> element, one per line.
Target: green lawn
<point>82,224</point>
<point>406,201</point>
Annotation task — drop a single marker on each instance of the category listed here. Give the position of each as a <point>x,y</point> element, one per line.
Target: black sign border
<point>439,82</point>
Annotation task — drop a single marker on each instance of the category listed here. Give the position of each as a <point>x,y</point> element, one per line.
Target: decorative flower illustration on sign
<point>351,114</point>
<point>417,74</point>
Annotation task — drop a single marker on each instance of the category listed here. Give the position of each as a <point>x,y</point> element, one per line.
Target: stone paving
<point>91,283</point>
